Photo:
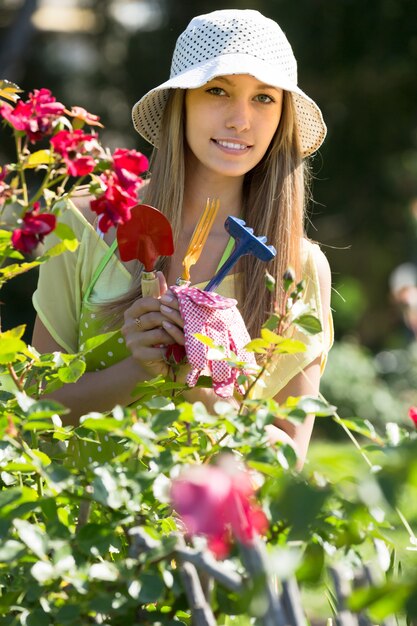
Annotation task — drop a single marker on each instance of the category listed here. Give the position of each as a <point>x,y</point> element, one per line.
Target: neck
<point>197,189</point>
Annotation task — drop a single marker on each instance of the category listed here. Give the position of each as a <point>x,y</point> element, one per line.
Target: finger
<point>140,307</point>
<point>162,283</point>
<point>174,332</point>
<point>147,321</point>
<point>136,338</point>
<point>170,299</point>
<point>171,315</point>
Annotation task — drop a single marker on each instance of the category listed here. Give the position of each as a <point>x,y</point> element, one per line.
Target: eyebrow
<point>227,80</point>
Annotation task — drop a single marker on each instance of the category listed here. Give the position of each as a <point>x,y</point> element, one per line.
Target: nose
<point>238,115</point>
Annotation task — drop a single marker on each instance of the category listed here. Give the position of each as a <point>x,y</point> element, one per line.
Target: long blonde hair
<point>273,205</point>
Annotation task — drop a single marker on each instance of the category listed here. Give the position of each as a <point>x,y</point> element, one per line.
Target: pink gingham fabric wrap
<point>217,317</point>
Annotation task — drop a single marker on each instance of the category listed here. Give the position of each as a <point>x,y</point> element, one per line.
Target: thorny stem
<point>18,141</point>
<point>281,328</point>
<point>15,377</point>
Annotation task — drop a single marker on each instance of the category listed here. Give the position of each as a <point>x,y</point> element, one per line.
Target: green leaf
<point>164,419</point>
<point>382,601</point>
<point>15,269</point>
<point>43,571</point>
<point>270,336</point>
<point>69,613</point>
<point>289,346</point>
<point>13,498</point>
<point>11,550</point>
<point>257,345</point>
<point>104,571</point>
<point>32,536</point>
<point>311,405</point>
<point>272,322</point>
<point>72,372</point>
<point>151,589</point>
<point>361,426</point>
<point>45,408</point>
<point>98,340</point>
<point>308,323</point>
<point>93,538</point>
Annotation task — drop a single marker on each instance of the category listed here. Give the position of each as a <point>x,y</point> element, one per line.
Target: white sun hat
<point>227,42</point>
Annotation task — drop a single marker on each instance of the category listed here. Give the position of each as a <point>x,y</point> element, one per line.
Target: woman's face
<point>230,122</point>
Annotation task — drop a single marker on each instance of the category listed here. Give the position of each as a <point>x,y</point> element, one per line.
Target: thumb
<point>162,283</point>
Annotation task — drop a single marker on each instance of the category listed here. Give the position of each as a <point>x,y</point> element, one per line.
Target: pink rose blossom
<point>36,226</point>
<point>214,500</point>
<point>36,117</point>
<point>83,115</point>
<point>77,149</point>
<point>412,414</point>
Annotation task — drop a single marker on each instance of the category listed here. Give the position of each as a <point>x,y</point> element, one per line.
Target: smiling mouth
<point>231,145</point>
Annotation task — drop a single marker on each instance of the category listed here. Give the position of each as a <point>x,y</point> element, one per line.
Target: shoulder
<point>321,263</point>
<point>318,267</point>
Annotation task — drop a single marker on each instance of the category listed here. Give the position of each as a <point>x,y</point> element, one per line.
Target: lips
<point>230,144</point>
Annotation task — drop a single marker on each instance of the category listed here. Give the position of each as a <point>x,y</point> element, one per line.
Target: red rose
<point>36,117</point>
<point>128,165</point>
<point>114,205</point>
<point>36,226</point>
<point>412,414</point>
<point>77,149</point>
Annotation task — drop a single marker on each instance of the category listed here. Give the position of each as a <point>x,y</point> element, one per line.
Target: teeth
<point>231,145</point>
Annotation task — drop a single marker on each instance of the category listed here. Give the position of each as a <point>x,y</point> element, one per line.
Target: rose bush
<point>125,541</point>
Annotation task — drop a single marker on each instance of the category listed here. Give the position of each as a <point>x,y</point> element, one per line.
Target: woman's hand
<point>172,321</point>
<point>148,330</point>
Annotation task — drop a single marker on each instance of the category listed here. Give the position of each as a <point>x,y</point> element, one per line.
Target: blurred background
<point>358,60</point>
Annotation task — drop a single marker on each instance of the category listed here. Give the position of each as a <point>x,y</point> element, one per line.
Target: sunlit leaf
<point>11,344</point>
<point>9,90</point>
<point>361,426</point>
<point>11,550</point>
<point>104,571</point>
<point>380,601</point>
<point>289,346</point>
<point>315,406</point>
<point>207,341</point>
<point>72,372</point>
<point>32,536</point>
<point>257,345</point>
<point>98,340</point>
<point>40,157</point>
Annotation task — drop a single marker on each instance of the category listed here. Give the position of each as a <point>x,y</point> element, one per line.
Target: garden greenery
<point>101,543</point>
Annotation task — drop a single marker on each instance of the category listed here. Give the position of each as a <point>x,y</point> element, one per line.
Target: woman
<point>230,123</point>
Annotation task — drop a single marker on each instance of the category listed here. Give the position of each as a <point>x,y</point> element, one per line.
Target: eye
<point>264,98</point>
<point>216,91</point>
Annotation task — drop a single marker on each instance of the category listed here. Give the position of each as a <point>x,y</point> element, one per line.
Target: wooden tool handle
<point>150,285</point>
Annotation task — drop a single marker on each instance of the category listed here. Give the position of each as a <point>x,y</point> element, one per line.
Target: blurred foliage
<point>97,542</point>
<point>356,59</point>
<point>379,388</point>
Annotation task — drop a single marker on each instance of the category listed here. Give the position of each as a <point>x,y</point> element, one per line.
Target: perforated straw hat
<point>229,42</point>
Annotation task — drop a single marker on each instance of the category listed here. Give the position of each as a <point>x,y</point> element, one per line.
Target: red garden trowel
<point>245,243</point>
<point>145,237</point>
